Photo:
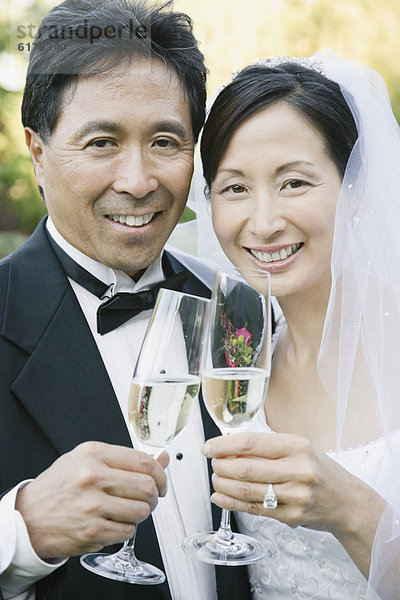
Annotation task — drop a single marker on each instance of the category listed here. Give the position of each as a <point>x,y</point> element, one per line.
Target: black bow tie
<point>121,307</point>
<point>117,310</point>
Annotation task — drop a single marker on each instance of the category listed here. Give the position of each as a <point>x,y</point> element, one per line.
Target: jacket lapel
<point>64,375</point>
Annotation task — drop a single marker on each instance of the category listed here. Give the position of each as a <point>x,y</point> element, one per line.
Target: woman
<point>302,163</point>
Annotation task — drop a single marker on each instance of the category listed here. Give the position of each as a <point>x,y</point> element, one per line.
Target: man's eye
<point>165,143</point>
<point>102,143</point>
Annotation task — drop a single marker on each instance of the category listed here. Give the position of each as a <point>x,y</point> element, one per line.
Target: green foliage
<point>363,30</point>
<point>9,241</point>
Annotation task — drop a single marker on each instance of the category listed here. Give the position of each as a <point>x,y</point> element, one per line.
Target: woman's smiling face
<point>274,199</point>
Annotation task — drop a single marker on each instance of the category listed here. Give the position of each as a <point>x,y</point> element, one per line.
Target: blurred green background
<point>232,33</point>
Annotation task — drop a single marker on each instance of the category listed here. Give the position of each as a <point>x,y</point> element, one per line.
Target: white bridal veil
<point>360,348</point>
<point>363,315</point>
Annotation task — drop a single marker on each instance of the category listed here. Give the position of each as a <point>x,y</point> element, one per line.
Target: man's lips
<point>132,220</point>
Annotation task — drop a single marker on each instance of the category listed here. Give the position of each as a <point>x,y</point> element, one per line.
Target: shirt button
<point>179,456</point>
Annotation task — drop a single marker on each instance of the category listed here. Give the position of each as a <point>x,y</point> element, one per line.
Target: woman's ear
<point>35,146</point>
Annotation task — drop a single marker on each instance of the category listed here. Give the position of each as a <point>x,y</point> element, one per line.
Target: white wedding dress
<point>302,563</point>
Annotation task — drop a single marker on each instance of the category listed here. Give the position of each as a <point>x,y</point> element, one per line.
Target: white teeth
<point>131,220</point>
<point>275,256</point>
<point>134,221</point>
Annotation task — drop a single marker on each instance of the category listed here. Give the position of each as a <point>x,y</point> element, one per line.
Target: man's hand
<point>91,497</point>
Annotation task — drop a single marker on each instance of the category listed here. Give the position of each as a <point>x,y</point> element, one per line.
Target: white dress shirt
<point>186,507</point>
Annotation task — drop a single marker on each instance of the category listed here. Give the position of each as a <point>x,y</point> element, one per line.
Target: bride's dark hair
<point>315,97</point>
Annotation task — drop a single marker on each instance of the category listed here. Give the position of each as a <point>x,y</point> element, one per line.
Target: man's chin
<point>133,267</point>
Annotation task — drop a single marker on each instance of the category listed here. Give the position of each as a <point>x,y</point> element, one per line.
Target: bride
<point>301,161</point>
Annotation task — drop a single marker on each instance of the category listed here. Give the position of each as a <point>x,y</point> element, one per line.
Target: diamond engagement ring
<point>270,498</point>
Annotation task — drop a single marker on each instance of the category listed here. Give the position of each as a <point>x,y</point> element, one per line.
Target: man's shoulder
<point>25,250</point>
<point>204,270</point>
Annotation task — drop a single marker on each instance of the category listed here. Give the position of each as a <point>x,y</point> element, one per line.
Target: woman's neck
<point>305,316</point>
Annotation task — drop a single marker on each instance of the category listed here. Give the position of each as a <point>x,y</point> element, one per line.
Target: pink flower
<point>236,344</point>
<point>246,335</point>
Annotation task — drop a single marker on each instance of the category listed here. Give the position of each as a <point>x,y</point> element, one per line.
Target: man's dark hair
<point>315,97</point>
<point>89,37</point>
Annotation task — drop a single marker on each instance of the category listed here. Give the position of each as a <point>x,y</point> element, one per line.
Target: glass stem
<point>127,552</point>
<point>225,532</point>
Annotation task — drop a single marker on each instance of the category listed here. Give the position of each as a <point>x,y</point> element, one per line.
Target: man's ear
<point>36,149</point>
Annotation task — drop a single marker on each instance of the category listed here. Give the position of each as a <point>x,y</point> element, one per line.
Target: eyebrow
<point>170,126</point>
<point>167,125</point>
<point>294,164</point>
<point>230,172</point>
<point>96,126</point>
<point>282,168</point>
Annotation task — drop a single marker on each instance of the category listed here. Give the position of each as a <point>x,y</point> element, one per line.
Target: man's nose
<point>134,174</point>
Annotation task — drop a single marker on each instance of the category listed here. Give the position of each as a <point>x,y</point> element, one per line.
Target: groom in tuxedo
<point>112,108</point>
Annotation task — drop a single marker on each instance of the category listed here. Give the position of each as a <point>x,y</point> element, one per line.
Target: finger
<point>253,508</point>
<point>266,445</point>
<point>118,457</point>
<point>163,459</point>
<point>296,497</point>
<point>96,462</point>
<point>256,469</point>
<point>240,490</point>
<point>131,486</point>
<point>145,464</point>
<point>250,492</point>
<point>110,532</point>
<point>127,459</point>
<point>121,510</point>
<point>91,536</point>
<point>286,513</point>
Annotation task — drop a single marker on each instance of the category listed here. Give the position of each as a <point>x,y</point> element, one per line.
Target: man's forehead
<point>145,91</point>
<point>149,74</point>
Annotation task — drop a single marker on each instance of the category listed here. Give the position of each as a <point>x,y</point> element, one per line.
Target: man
<point>112,108</point>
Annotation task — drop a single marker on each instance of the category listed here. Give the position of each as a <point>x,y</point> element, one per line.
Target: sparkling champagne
<point>160,408</point>
<point>233,395</point>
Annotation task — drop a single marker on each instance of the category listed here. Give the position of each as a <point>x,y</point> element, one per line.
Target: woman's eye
<point>235,189</point>
<point>294,184</point>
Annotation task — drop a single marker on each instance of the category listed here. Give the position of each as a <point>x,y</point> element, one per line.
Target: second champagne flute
<point>236,372</point>
<point>164,388</point>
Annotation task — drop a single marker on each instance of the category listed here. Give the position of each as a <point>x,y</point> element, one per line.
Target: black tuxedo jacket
<point>55,393</point>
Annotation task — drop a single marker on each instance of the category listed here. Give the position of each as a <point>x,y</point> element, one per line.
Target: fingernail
<point>207,449</point>
<point>216,499</point>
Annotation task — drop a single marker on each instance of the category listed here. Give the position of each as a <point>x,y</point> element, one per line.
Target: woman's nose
<point>267,218</point>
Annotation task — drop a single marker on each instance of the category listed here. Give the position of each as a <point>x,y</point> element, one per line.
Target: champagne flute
<point>164,388</point>
<point>235,378</point>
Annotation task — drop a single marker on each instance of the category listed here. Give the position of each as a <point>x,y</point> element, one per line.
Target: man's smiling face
<point>116,170</point>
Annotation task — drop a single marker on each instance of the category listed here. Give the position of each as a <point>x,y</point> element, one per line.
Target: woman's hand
<point>313,490</point>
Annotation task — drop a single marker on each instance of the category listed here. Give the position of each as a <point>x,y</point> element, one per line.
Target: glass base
<point>211,547</point>
<point>114,566</point>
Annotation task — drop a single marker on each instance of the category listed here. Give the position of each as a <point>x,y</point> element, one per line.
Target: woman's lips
<point>277,259</point>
